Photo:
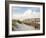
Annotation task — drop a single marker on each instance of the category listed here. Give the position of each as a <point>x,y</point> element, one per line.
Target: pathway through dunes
<point>23,27</point>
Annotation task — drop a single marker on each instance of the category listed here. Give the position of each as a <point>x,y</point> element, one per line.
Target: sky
<point>21,10</point>
<point>25,12</point>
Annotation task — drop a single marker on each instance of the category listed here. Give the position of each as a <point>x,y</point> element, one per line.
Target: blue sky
<point>21,10</point>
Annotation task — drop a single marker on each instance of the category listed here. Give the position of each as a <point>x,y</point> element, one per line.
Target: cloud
<point>28,12</point>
